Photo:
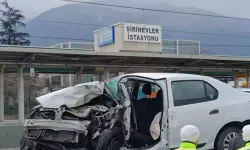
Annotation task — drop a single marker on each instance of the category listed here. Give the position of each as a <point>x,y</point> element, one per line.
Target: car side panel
<point>198,114</point>
<point>239,113</point>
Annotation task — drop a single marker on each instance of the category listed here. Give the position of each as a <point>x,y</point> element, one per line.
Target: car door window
<point>190,92</point>
<point>212,93</point>
<point>113,85</point>
<point>140,93</point>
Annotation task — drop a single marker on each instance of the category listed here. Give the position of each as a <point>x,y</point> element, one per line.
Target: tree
<point>32,89</point>
<point>11,21</point>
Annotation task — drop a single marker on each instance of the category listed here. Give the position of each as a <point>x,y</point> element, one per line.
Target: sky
<point>234,8</point>
<point>32,8</point>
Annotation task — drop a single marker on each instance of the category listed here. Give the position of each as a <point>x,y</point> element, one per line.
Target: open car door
<point>128,91</point>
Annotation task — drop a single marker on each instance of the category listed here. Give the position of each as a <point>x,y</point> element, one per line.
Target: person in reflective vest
<point>246,137</point>
<point>189,136</point>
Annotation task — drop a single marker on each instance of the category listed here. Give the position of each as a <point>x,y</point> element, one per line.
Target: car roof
<point>163,75</point>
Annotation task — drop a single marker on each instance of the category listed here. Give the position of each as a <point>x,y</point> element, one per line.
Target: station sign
<point>242,75</point>
<point>142,33</point>
<point>106,36</point>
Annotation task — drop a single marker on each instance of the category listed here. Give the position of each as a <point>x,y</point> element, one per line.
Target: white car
<point>118,113</point>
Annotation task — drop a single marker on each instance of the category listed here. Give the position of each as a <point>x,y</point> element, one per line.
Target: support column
<point>50,79</point>
<point>106,73</point>
<point>21,95</point>
<point>61,78</point>
<point>177,47</point>
<point>98,77</point>
<point>79,75</point>
<point>1,93</point>
<point>70,80</point>
<point>247,80</point>
<point>236,80</point>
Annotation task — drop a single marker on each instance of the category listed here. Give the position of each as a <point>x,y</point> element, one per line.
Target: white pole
<point>61,80</point>
<point>1,93</point>
<point>70,80</point>
<point>21,95</point>
<point>106,74</point>
<point>50,79</point>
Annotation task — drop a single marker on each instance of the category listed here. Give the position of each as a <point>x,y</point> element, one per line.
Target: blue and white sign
<point>106,36</point>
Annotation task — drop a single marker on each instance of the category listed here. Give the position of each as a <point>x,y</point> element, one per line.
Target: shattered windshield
<point>113,86</point>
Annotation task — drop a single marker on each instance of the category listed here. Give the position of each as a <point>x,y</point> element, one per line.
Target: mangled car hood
<point>73,96</point>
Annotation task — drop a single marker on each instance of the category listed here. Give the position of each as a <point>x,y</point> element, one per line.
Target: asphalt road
<point>10,136</point>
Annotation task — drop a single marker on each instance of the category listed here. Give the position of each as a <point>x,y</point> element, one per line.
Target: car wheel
<point>110,139</point>
<point>225,137</point>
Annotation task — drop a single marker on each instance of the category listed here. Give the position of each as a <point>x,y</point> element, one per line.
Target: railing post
<point>2,93</point>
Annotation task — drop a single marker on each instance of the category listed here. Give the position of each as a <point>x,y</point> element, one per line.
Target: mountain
<point>88,18</point>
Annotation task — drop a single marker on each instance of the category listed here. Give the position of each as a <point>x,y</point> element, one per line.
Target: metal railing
<point>75,45</point>
<point>179,47</point>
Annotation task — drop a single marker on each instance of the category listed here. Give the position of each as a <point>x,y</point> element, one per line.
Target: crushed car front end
<point>72,119</point>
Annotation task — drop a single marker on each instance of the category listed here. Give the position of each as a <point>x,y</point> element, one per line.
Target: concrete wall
<point>121,46</point>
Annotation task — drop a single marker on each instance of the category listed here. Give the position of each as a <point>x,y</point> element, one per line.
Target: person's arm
<point>155,128</point>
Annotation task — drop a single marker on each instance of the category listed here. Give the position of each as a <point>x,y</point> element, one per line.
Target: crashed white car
<point>137,111</point>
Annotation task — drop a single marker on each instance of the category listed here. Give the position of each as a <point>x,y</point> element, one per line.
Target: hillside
<point>99,16</point>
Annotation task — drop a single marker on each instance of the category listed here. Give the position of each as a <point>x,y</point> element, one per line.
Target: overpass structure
<point>13,56</point>
<point>87,61</point>
<point>79,61</point>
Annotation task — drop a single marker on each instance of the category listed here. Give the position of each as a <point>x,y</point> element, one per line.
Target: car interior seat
<point>157,103</point>
<point>140,105</point>
<point>151,107</point>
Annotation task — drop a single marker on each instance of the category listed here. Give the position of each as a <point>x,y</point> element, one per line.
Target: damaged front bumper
<point>73,118</point>
<point>65,131</point>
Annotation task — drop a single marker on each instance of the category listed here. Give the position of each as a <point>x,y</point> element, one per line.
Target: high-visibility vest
<point>187,146</point>
<point>247,147</point>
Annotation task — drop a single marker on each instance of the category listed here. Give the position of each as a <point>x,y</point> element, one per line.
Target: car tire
<point>110,139</point>
<point>224,136</point>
